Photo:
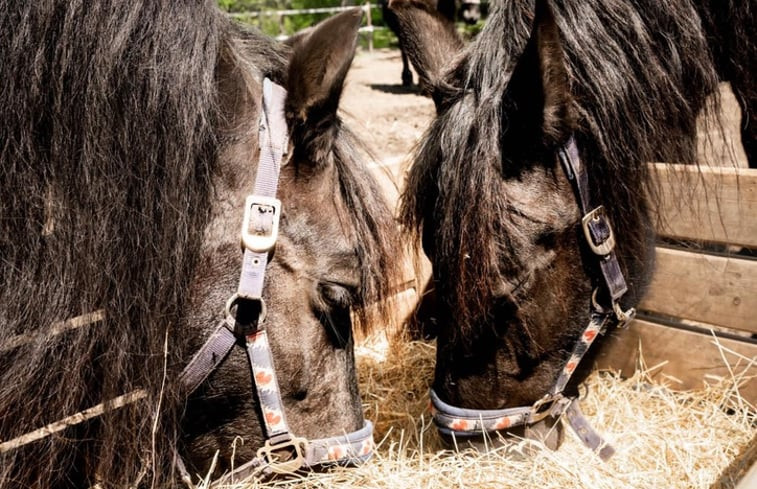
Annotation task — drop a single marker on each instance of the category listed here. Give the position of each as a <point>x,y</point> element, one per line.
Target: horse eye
<point>334,311</point>
<point>336,296</point>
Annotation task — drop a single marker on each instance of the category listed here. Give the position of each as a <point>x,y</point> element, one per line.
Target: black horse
<point>545,126</point>
<point>448,10</point>
<point>130,137</point>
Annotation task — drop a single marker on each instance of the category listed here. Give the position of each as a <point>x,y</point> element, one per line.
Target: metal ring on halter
<point>597,306</point>
<point>295,446</point>
<point>551,405</point>
<point>231,320</point>
<point>623,317</point>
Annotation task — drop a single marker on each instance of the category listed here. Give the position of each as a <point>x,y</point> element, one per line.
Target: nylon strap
<point>273,138</point>
<point>267,386</point>
<point>350,449</point>
<point>599,227</point>
<point>259,232</point>
<point>208,358</point>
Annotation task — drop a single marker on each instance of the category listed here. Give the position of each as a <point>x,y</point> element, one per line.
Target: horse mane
<point>110,138</point>
<point>375,230</point>
<point>639,73</point>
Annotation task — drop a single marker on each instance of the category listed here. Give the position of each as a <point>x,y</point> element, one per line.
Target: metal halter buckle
<point>623,317</point>
<point>292,445</point>
<point>549,405</point>
<point>594,216</point>
<point>263,214</point>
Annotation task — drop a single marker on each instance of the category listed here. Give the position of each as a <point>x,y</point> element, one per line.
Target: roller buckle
<point>593,217</point>
<point>260,226</point>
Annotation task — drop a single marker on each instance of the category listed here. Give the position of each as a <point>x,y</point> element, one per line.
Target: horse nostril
<point>300,395</point>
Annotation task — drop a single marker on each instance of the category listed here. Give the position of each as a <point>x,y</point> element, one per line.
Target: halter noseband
<point>600,238</point>
<point>283,452</point>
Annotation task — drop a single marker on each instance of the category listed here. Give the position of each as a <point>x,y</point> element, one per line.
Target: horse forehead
<point>320,225</point>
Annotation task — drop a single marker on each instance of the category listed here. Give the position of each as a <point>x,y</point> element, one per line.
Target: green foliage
<point>274,25</point>
<point>382,38</point>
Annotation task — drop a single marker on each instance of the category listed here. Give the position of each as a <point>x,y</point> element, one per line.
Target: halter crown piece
<point>600,238</point>
<point>283,452</point>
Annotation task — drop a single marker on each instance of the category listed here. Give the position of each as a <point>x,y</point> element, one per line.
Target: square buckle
<point>294,446</point>
<point>262,215</point>
<point>594,218</point>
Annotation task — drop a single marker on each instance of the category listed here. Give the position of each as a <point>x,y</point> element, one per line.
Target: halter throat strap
<point>600,239</point>
<point>243,325</point>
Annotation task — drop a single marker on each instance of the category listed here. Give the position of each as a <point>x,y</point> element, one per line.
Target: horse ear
<point>318,66</point>
<point>296,39</point>
<point>429,39</point>
<point>541,79</point>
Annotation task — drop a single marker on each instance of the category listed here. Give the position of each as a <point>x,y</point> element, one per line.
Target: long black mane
<point>110,136</point>
<point>639,73</point>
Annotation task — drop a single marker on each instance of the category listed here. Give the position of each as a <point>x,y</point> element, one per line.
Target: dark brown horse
<point>547,87</point>
<point>129,140</point>
<point>447,11</point>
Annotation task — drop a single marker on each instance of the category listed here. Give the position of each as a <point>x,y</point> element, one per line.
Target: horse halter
<point>283,452</point>
<point>600,238</point>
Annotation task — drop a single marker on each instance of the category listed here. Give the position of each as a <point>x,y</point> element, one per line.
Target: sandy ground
<point>390,119</point>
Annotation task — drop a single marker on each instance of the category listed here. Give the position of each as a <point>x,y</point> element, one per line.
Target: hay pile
<point>664,439</point>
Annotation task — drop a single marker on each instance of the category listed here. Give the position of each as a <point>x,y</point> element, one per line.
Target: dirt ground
<point>391,119</point>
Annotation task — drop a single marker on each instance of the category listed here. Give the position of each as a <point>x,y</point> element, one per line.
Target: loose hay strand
<point>74,419</point>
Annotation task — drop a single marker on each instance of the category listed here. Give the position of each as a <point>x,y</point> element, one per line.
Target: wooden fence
<point>367,29</point>
<point>699,319</point>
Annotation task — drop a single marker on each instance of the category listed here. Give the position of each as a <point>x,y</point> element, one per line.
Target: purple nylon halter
<point>244,327</point>
<point>600,238</point>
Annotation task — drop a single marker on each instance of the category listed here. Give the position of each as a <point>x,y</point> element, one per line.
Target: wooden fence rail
<point>369,28</point>
<point>698,321</point>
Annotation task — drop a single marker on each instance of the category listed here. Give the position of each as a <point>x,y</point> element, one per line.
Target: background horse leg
<point>391,21</point>
<point>407,75</point>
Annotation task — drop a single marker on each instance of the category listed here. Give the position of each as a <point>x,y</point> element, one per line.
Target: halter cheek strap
<point>600,239</point>
<point>283,452</point>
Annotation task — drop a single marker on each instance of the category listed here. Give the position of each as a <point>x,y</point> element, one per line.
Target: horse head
<point>526,144</point>
<point>333,255</point>
<point>139,133</point>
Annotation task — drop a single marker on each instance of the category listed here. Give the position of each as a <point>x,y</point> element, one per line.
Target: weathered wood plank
<point>688,356</point>
<point>717,205</point>
<point>706,288</point>
<point>741,473</point>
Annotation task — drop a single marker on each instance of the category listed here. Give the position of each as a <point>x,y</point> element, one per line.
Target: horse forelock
<point>636,94</point>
